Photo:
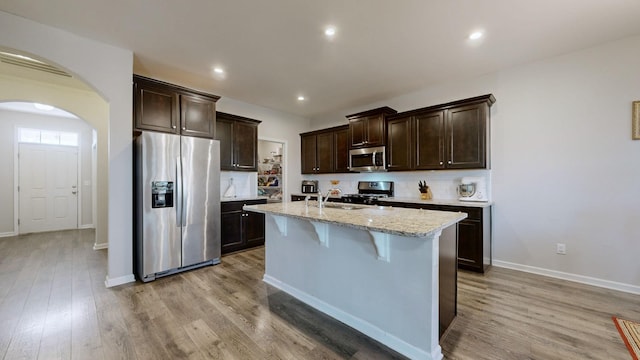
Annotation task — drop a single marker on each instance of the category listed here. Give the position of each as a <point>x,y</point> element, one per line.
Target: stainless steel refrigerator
<point>176,205</point>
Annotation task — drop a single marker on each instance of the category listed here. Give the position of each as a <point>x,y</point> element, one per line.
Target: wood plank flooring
<point>53,305</point>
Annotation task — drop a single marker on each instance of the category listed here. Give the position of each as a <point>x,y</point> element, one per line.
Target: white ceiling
<point>275,50</point>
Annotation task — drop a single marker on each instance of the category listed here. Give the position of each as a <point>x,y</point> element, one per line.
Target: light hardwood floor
<point>53,305</point>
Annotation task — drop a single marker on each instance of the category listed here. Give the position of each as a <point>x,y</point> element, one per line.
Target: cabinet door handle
<point>184,128</point>
<point>449,161</point>
<point>441,163</point>
<point>173,126</point>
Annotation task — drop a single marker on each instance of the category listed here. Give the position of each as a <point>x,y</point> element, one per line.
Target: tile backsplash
<point>443,184</point>
<point>244,183</point>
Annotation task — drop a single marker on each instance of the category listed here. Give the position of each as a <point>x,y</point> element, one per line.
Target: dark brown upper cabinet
<point>448,136</point>
<point>341,149</point>
<point>467,136</point>
<point>163,107</point>
<point>429,139</point>
<point>238,142</point>
<point>399,145</point>
<point>325,151</point>
<point>367,128</point>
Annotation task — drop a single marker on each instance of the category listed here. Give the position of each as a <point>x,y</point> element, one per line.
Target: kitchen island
<point>374,268</point>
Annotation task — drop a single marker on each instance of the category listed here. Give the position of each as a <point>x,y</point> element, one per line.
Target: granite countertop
<point>385,219</point>
<point>451,202</point>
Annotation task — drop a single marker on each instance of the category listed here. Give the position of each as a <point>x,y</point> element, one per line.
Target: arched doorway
<point>48,156</point>
<point>107,70</point>
<point>27,79</point>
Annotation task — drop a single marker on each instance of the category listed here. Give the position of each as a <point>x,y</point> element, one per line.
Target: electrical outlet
<point>561,249</point>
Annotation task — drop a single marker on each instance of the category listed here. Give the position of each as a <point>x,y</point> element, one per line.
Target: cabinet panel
<point>230,231</point>
<point>246,146</point>
<point>375,130</point>
<point>156,108</point>
<point>308,156</point>
<point>198,116</point>
<point>253,228</point>
<point>341,150</point>
<point>399,144</point>
<point>465,136</point>
<point>470,244</point>
<point>429,141</point>
<point>358,131</point>
<point>224,133</point>
<point>324,153</point>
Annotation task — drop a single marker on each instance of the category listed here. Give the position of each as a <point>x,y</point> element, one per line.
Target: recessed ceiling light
<point>330,31</point>
<point>301,98</point>
<point>43,107</point>
<point>218,70</point>
<point>475,35</point>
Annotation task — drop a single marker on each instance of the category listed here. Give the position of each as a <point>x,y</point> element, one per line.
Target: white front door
<point>48,187</point>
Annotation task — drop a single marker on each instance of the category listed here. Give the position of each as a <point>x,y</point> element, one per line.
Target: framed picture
<point>635,121</point>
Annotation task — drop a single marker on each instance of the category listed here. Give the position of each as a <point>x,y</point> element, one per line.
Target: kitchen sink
<point>343,206</point>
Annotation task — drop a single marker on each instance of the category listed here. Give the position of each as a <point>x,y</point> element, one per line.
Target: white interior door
<point>48,187</point>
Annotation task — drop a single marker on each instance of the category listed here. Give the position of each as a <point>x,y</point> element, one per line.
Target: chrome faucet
<point>329,193</point>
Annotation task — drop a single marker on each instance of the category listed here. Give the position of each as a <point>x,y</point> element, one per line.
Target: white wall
<point>564,167</point>
<point>9,121</point>
<point>108,70</point>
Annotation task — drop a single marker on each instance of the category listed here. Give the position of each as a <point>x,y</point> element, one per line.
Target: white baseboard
<point>7,234</point>
<point>100,246</point>
<point>363,326</point>
<point>607,284</point>
<point>119,280</point>
<point>86,226</point>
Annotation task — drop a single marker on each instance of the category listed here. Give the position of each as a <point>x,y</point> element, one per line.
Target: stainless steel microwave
<point>367,159</point>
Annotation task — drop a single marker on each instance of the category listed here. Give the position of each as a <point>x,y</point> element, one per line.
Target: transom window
<point>49,137</point>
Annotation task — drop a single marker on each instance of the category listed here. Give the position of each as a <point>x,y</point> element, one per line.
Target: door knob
<point>74,192</point>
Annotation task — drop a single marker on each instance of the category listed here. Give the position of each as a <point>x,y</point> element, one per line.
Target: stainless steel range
<point>369,192</point>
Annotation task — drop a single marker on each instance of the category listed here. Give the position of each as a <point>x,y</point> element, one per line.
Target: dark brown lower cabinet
<point>241,229</point>
<point>474,233</point>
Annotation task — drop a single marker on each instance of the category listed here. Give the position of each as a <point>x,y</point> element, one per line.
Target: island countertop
<point>391,220</point>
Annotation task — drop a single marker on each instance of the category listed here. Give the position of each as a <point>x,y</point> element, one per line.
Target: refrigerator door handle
<point>178,191</point>
<point>183,196</point>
